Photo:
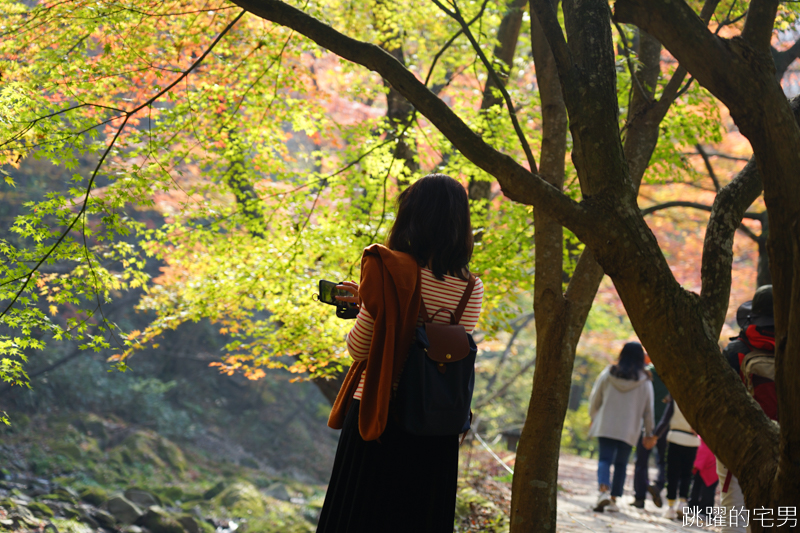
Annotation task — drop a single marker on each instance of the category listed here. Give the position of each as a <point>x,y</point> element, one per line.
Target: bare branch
<point>785,58</point>
<point>709,167</point>
<point>525,320</point>
<point>628,52</point>
<point>548,19</point>
<point>694,205</point>
<point>726,216</point>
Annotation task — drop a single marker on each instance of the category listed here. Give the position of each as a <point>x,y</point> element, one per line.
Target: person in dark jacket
<point>641,482</point>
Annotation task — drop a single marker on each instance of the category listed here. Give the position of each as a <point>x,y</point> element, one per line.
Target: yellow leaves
<point>12,158</point>
<point>53,310</point>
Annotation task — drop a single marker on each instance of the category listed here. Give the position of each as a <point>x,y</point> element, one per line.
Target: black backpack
<point>435,388</point>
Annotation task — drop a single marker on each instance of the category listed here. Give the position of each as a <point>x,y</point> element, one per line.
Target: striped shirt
<point>436,294</point>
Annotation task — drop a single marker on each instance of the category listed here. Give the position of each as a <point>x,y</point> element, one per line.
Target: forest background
<point>178,176</point>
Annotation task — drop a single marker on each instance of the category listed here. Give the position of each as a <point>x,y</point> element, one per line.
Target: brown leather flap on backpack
<point>448,342</point>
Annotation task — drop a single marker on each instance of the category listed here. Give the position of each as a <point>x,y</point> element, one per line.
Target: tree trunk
<point>559,321</point>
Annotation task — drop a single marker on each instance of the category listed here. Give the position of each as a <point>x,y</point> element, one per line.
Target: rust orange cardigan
<point>390,290</point>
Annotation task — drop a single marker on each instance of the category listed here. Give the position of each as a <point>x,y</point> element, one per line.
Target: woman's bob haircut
<point>631,362</point>
<point>433,225</point>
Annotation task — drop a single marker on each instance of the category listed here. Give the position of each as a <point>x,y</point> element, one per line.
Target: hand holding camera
<point>343,295</point>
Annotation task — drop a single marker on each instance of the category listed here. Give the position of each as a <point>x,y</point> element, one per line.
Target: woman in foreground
<point>385,479</point>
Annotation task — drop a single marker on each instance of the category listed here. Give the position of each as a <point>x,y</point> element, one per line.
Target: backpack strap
<point>455,318</point>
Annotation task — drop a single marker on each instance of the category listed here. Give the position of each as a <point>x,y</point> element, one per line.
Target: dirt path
<point>577,480</point>
<point>577,477</point>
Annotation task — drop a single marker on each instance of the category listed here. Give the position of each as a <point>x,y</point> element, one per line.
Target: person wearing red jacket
<point>757,323</point>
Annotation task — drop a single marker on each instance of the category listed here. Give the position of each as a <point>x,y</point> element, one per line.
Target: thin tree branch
<point>695,205</point>
<point>497,81</point>
<point>628,60</point>
<point>502,390</point>
<point>709,167</point>
<point>451,40</point>
<point>784,58</point>
<point>526,319</point>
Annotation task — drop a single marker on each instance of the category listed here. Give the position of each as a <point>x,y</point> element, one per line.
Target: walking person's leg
<point>688,453</point>
<point>732,499</point>
<point>605,459</point>
<point>640,474</point>
<point>673,474</point>
<point>661,461</point>
<point>623,454</point>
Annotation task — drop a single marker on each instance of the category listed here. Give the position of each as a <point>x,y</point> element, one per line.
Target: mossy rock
<point>147,447</point>
<point>91,425</point>
<point>139,447</point>
<point>242,499</point>
<point>41,510</point>
<point>69,450</point>
<point>70,526</point>
<point>66,498</point>
<point>143,498</point>
<point>172,494</point>
<point>214,491</point>
<point>97,496</point>
<point>282,517</point>
<point>172,454</point>
<point>159,521</point>
<point>71,512</point>
<point>205,527</point>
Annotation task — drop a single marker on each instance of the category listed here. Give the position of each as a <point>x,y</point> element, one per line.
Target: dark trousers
<point>640,473</point>
<point>702,494</point>
<point>680,460</point>
<point>616,452</point>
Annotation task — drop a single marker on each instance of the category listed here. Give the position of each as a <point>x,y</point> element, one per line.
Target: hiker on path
<point>621,398</point>
<point>682,443</point>
<point>705,481</point>
<point>385,479</point>
<point>641,482</point>
<point>757,323</point>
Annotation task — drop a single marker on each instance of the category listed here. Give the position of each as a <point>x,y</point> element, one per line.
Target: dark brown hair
<point>631,362</point>
<point>433,225</point>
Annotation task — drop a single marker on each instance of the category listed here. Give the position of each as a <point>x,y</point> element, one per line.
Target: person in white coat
<point>621,400</point>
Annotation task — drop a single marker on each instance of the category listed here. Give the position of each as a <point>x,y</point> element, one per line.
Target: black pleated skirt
<point>401,483</point>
